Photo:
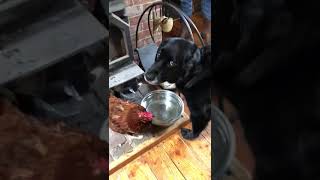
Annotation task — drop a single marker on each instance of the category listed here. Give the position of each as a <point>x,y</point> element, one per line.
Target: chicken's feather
<point>125,118</point>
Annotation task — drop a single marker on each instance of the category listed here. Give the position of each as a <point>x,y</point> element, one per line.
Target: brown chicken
<point>33,150</point>
<point>127,117</point>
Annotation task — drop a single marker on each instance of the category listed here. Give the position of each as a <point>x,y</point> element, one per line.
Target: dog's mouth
<point>154,81</point>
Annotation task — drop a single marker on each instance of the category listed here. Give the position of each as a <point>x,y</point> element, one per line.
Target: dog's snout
<point>150,76</point>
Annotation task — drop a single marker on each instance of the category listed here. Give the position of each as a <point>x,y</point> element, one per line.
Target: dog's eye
<point>172,64</point>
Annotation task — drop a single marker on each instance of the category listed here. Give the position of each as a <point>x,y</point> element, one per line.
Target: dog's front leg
<point>200,109</point>
<point>199,122</point>
<point>195,132</point>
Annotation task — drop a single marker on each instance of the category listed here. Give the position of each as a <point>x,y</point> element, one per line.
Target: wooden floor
<point>175,158</point>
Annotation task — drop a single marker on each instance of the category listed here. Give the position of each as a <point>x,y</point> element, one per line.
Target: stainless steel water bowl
<point>166,106</point>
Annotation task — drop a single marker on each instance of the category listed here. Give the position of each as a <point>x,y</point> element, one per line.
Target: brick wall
<point>134,10</point>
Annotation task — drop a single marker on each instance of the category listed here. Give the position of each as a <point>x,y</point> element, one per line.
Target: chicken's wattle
<point>146,115</point>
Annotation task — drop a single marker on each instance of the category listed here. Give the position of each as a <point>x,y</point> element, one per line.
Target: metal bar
<point>124,27</point>
<point>121,60</point>
<point>184,17</point>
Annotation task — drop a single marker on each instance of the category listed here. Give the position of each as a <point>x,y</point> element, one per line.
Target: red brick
<point>148,41</point>
<point>133,20</point>
<point>146,5</point>
<point>136,2</point>
<point>133,39</point>
<point>145,28</point>
<point>135,10</point>
<point>157,36</point>
<point>140,43</point>
<point>150,1</point>
<point>157,40</point>
<point>145,25</point>
<point>143,34</point>
<point>158,33</point>
<point>128,2</point>
<point>145,17</point>
<point>134,28</point>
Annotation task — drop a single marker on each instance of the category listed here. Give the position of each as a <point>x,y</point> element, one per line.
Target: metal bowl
<point>225,143</point>
<point>166,106</point>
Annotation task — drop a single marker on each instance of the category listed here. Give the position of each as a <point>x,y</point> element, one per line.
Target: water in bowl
<point>164,111</point>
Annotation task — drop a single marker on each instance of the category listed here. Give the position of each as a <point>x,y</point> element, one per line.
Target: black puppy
<point>182,62</point>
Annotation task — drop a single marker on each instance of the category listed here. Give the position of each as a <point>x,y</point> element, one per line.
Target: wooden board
<point>147,145</point>
<point>161,164</point>
<point>207,135</point>
<point>121,174</point>
<point>139,171</point>
<point>186,159</point>
<point>174,158</point>
<point>200,147</point>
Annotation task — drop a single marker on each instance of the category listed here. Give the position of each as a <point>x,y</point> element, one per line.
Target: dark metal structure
<point>46,38</point>
<point>121,66</point>
<point>52,60</point>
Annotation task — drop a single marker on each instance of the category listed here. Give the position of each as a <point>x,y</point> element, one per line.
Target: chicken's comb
<point>147,115</point>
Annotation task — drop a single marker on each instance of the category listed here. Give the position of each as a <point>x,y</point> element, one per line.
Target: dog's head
<point>175,60</point>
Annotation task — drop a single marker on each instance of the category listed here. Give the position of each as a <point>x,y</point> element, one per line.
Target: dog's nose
<point>150,76</point>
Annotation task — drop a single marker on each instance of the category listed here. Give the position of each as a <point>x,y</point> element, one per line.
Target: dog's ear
<point>160,49</point>
<point>196,56</point>
<point>191,63</point>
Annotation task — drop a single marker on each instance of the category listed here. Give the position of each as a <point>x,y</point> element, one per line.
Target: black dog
<point>182,62</point>
<point>265,62</point>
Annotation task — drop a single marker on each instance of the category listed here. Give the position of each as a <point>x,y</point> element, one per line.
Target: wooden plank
<point>208,128</point>
<point>148,144</point>
<point>184,159</point>
<point>207,136</point>
<point>138,170</point>
<point>200,147</point>
<point>119,175</point>
<point>161,165</point>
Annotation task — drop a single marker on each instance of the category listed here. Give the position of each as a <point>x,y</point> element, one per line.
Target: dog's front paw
<point>188,134</point>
